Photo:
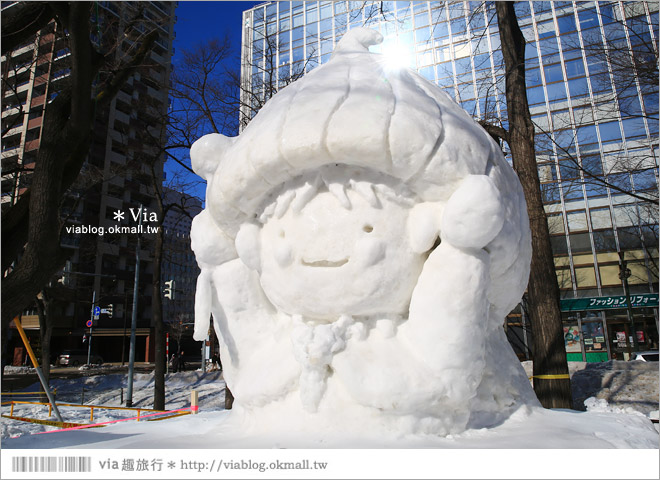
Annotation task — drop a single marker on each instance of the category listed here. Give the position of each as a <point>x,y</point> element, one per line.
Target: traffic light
<point>107,310</point>
<point>169,289</point>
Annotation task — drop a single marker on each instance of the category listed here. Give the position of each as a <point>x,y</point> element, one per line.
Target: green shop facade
<point>597,329</point>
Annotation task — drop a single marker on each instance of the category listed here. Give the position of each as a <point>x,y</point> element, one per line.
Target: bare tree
<point>210,98</point>
<point>31,227</point>
<point>201,98</point>
<point>551,382</point>
<point>261,76</point>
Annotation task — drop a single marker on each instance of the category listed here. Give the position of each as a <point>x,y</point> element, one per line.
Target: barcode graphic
<point>51,464</point>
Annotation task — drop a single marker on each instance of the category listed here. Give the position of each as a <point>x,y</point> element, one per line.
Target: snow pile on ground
<point>622,384</point>
<point>10,369</point>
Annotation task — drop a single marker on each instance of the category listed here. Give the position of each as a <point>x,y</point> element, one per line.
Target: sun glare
<point>397,57</point>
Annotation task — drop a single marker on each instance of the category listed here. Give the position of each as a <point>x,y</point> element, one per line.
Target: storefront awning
<point>639,300</point>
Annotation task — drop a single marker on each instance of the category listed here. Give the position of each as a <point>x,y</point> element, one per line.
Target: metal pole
<point>624,273</point>
<point>131,352</point>
<point>167,353</point>
<point>40,374</point>
<point>89,343</point>
<point>123,340</point>
<point>582,345</point>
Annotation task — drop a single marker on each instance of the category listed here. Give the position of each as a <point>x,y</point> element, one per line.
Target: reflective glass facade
<point>592,87</point>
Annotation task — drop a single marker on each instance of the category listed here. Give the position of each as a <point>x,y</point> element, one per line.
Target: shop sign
<point>603,303</point>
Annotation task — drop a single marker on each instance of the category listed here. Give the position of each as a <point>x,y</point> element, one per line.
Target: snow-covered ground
<point>620,398</point>
<point>629,388</point>
<point>109,389</point>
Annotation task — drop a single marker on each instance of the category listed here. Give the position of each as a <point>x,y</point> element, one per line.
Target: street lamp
<point>624,274</point>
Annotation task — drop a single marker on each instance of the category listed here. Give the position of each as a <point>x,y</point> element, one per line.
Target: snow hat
<point>356,114</point>
<point>351,111</point>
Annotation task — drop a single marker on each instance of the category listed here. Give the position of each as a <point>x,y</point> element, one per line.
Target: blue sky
<point>198,21</point>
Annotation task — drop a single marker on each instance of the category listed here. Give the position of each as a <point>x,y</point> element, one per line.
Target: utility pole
<point>131,351</point>
<point>91,327</point>
<point>624,273</point>
<point>123,340</point>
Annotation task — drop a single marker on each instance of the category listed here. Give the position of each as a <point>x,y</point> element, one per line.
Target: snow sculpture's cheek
<point>283,253</point>
<point>369,251</point>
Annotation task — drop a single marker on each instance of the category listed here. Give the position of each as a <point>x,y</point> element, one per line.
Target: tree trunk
<point>34,222</point>
<point>229,398</point>
<point>551,382</point>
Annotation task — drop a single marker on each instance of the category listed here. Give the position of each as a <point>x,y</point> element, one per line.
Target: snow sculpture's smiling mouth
<point>325,263</point>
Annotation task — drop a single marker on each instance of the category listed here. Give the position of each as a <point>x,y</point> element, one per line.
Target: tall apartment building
<point>597,128</point>
<point>115,177</point>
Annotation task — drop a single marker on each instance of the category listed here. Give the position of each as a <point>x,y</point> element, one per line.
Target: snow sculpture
<point>362,242</point>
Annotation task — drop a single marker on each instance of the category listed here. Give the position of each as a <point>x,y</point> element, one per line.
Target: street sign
<point>89,323</point>
<point>97,311</point>
<point>603,303</point>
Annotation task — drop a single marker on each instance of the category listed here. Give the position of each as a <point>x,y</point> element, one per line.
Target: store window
<point>572,338</point>
<point>594,339</point>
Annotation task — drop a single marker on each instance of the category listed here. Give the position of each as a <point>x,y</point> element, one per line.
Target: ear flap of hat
<point>424,226</point>
<point>206,153</point>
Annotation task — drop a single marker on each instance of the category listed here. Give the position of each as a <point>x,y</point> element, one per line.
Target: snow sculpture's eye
<point>368,228</point>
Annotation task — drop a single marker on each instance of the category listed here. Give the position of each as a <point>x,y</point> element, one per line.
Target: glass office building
<point>592,86</point>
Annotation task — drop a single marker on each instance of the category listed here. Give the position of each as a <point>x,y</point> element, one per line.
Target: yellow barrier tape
<point>51,423</point>
<point>552,377</point>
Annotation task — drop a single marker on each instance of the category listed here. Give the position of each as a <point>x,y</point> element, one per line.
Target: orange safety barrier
<point>75,405</point>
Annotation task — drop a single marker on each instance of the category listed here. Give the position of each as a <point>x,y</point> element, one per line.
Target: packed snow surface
<point>622,396</point>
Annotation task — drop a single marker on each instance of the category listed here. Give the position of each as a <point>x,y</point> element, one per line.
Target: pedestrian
<point>182,362</point>
<point>175,363</point>
<point>215,362</point>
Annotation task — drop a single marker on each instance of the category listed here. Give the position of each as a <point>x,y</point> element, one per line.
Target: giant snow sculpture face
<point>339,254</point>
<point>362,241</point>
